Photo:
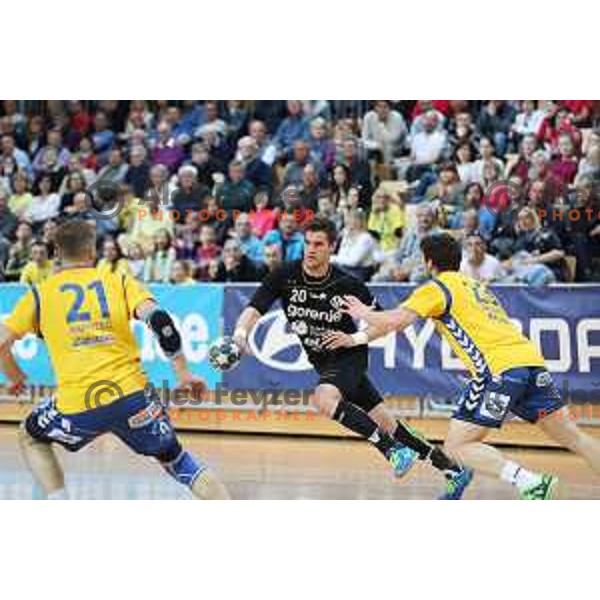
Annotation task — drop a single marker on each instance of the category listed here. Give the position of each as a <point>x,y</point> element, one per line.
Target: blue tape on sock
<point>185,468</point>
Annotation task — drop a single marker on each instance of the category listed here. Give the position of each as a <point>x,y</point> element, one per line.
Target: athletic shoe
<point>543,490</point>
<point>457,484</point>
<point>402,459</point>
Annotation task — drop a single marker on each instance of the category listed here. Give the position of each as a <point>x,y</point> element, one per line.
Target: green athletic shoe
<point>542,490</point>
<point>457,484</point>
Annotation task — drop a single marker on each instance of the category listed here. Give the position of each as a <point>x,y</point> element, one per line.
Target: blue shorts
<point>528,392</point>
<point>141,423</point>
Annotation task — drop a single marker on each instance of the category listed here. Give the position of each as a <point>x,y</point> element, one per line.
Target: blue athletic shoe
<point>456,486</point>
<point>402,459</point>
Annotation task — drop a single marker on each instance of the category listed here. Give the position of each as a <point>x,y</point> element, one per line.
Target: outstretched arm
<point>8,364</point>
<point>264,297</point>
<point>338,339</point>
<point>169,339</point>
<point>244,326</point>
<point>382,322</point>
<point>22,321</point>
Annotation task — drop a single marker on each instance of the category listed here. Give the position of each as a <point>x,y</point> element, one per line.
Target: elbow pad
<point>161,324</point>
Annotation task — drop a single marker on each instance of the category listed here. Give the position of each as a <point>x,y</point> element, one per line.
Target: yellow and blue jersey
<point>476,326</point>
<point>34,274</point>
<point>121,266</point>
<point>83,314</point>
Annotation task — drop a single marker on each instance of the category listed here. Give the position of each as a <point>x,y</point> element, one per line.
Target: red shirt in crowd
<point>81,122</point>
<point>521,169</point>
<point>89,161</point>
<point>578,107</point>
<point>204,255</point>
<point>442,106</point>
<point>564,169</point>
<point>550,134</point>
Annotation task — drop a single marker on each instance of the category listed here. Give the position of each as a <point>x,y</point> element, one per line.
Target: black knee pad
<point>364,395</point>
<point>170,451</point>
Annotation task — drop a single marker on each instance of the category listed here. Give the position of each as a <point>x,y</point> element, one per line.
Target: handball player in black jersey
<point>311,291</point>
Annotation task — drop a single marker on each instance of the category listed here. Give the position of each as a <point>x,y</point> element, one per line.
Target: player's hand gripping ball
<point>224,354</point>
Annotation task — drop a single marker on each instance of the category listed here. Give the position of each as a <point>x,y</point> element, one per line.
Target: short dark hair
<point>448,166</point>
<point>321,224</point>
<point>73,238</point>
<point>443,251</point>
<point>38,242</point>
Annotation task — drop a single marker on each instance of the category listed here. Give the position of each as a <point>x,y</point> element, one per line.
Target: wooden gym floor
<point>271,467</point>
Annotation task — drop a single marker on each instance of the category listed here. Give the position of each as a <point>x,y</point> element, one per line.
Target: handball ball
<point>224,354</point>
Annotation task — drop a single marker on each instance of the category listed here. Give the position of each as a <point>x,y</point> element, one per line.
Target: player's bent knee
<point>563,431</point>
<point>461,434</point>
<point>326,399</point>
<point>158,441</point>
<point>168,452</point>
<point>26,436</point>
<point>23,436</point>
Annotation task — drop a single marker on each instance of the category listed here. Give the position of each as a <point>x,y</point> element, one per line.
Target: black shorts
<point>349,375</point>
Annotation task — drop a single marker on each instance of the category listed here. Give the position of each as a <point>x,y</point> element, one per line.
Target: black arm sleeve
<point>161,324</point>
<point>269,291</point>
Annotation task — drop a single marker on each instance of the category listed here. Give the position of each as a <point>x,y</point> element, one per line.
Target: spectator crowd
<point>219,190</point>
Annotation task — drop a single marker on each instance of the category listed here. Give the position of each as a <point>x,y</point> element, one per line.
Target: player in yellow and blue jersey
<point>83,314</point>
<point>508,374</point>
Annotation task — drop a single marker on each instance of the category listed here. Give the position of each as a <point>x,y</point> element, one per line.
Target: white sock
<point>515,475</point>
<point>58,495</point>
